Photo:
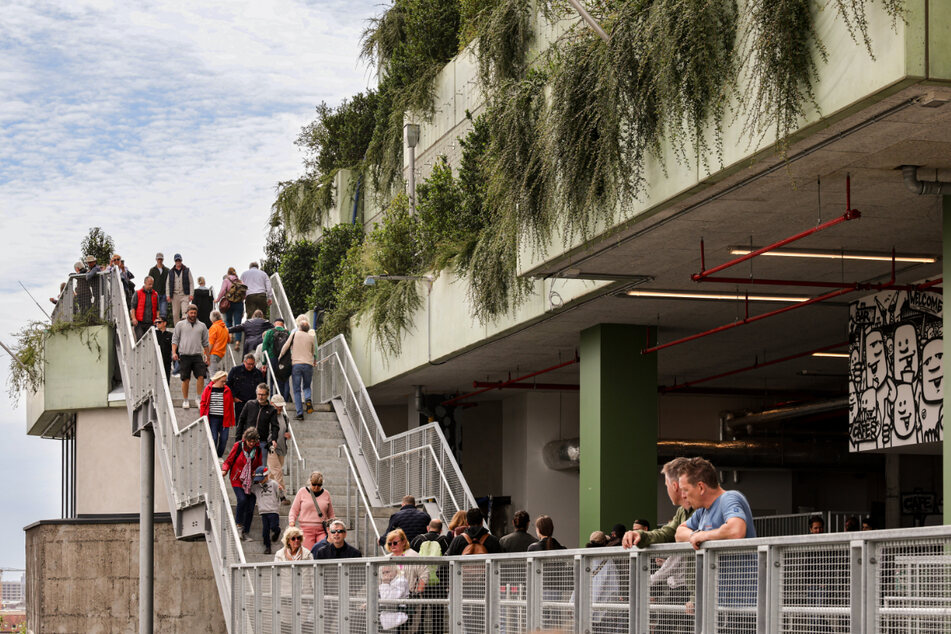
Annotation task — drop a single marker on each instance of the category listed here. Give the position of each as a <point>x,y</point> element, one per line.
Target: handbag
<point>284,362</point>
<point>323,522</point>
<point>224,304</point>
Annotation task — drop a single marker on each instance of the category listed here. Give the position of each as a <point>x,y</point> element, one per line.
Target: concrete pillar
<point>618,428</point>
<point>946,264</point>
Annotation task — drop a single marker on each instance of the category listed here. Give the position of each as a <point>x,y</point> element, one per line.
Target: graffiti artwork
<point>896,370</point>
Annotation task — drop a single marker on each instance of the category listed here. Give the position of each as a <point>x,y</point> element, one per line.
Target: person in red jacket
<point>217,404</point>
<point>144,309</point>
<point>239,466</point>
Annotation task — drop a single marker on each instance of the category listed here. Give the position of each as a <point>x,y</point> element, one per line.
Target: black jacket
<point>253,330</point>
<point>244,382</point>
<point>475,533</point>
<point>540,545</point>
<point>263,417</point>
<point>410,519</point>
<point>165,345</point>
<point>160,280</point>
<point>326,550</point>
<point>204,302</point>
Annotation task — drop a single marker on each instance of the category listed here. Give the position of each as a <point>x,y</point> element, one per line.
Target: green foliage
<point>505,33</point>
<point>297,273</point>
<point>98,243</point>
<point>392,249</point>
<point>439,227</point>
<point>349,292</point>
<point>274,247</point>
<point>333,247</point>
<point>853,15</point>
<point>782,67</point>
<point>339,136</point>
<point>301,203</point>
<point>409,43</point>
<point>26,365</point>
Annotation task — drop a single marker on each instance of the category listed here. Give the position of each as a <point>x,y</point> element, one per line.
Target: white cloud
<point>168,124</point>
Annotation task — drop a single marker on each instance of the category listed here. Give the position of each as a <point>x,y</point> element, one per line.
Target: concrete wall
<point>481,459</point>
<point>84,577</point>
<point>107,464</point>
<point>530,421</point>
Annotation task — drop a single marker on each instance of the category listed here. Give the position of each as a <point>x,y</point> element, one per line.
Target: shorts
<point>191,363</point>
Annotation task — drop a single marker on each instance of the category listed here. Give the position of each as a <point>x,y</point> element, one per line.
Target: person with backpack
<point>272,344</point>
<point>302,348</point>
<point>476,539</point>
<point>433,543</point>
<point>239,467</point>
<point>231,298</point>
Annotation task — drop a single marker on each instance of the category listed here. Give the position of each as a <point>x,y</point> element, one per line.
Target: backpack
<point>285,363</point>
<point>431,548</point>
<point>237,291</point>
<point>278,339</point>
<point>475,547</point>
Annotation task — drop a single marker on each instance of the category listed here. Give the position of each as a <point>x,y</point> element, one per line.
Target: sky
<point>166,123</point>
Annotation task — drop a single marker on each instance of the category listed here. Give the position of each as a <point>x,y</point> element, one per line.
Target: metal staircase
<point>380,470</point>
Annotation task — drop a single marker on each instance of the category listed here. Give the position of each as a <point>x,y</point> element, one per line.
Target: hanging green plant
<point>854,14</point>
<point>505,33</point>
<point>301,204</point>
<point>349,292</point>
<point>26,365</point>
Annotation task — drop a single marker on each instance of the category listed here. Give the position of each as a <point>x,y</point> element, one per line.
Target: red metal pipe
<point>750,320</point>
<point>564,387</point>
<point>849,214</point>
<point>497,386</point>
<point>755,366</point>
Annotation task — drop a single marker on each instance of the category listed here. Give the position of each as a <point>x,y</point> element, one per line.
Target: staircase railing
<point>186,456</point>
<point>359,514</point>
<point>417,462</point>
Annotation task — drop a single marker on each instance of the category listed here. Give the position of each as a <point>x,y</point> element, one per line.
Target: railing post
<point>373,598</point>
<point>582,585</point>
<point>343,598</point>
<point>276,591</point>
<point>533,593</point>
<point>864,587</point>
<point>297,600</point>
<point>704,610</point>
<point>455,596</point>
<point>237,602</point>
<point>639,590</point>
<point>319,607</point>
<point>493,580</point>
<point>258,617</point>
<point>774,596</point>
<point>765,593</point>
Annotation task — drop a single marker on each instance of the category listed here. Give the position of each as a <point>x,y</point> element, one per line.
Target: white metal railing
<point>358,513</point>
<point>876,581</point>
<point>295,462</point>
<point>798,523</point>
<point>417,462</point>
<point>187,457</point>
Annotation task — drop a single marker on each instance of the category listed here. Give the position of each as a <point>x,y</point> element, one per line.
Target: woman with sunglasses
<point>410,579</point>
<point>312,510</point>
<point>293,546</point>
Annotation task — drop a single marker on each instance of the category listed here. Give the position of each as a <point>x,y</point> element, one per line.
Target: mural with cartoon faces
<point>896,370</point>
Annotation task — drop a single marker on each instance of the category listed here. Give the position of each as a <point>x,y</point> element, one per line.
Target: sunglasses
<point>337,532</point>
<point>394,543</point>
<point>296,539</point>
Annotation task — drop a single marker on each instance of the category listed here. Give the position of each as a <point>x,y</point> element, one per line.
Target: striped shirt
<point>216,407</point>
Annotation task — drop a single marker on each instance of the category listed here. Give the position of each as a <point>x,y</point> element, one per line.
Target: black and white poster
<point>896,370</point>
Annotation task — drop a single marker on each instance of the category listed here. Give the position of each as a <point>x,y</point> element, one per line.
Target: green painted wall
<point>618,480</point>
<point>939,39</point>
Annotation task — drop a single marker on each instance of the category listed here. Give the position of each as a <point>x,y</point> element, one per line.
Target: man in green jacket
<point>668,531</point>
<point>271,348</point>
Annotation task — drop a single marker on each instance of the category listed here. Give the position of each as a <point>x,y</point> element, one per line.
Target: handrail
<point>187,457</point>
<point>367,509</point>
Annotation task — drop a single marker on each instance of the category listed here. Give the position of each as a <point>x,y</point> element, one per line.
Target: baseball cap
<point>178,257</point>
<point>159,256</point>
<point>260,474</point>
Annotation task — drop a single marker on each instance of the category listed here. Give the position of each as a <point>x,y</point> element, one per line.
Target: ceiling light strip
<point>715,296</point>
<point>839,255</point>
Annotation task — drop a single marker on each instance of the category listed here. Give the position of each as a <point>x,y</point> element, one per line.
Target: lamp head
<point>370,280</point>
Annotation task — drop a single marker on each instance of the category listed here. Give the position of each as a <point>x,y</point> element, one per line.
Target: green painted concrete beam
<point>618,428</point>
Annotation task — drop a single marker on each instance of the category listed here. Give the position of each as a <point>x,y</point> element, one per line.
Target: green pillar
<point>618,428</point>
<point>946,264</point>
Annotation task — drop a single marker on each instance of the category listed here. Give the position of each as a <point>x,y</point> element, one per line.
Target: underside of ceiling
<point>767,201</point>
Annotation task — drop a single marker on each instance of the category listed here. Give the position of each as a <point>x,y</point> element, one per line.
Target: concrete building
<point>640,361</point>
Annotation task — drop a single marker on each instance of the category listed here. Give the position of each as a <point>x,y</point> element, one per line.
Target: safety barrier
<point>187,457</point>
<point>798,523</point>
<point>876,581</point>
<point>417,462</point>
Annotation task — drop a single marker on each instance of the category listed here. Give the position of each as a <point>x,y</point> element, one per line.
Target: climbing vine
<point>564,138</point>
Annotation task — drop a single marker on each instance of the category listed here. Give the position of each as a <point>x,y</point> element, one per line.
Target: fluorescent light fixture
<point>732,297</point>
<point>829,254</point>
<point>831,355</point>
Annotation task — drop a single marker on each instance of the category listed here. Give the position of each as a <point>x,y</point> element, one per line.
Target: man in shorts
<point>190,349</point>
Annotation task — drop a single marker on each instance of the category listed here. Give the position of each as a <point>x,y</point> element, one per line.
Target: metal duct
<point>731,421</point>
<point>563,455</point>
<point>910,176</point>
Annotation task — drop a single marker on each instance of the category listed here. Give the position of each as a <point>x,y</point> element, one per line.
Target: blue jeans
<point>244,512</point>
<point>233,317</point>
<point>219,434</point>
<point>301,373</point>
<point>269,522</point>
<point>163,306</point>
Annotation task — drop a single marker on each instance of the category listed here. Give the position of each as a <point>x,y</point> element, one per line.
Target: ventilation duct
<point>910,175</point>
<point>732,421</point>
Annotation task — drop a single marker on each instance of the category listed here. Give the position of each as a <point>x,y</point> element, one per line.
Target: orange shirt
<point>218,338</point>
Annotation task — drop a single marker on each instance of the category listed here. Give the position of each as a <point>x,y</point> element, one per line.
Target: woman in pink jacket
<point>311,508</point>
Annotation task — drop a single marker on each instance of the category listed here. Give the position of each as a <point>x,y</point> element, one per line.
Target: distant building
<point>12,592</point>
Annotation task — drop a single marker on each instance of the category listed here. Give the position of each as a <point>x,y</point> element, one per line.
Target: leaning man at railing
<point>719,515</point>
